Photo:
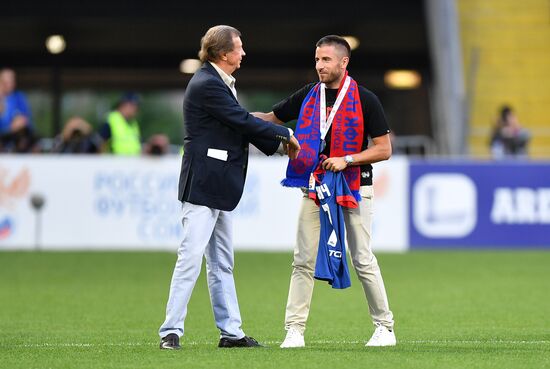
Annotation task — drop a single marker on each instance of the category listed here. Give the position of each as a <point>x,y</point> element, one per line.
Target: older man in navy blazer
<point>213,172</point>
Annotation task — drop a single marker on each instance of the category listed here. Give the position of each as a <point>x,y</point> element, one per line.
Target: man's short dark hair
<point>335,40</point>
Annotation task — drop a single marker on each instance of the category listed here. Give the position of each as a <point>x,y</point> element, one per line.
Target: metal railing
<point>418,145</point>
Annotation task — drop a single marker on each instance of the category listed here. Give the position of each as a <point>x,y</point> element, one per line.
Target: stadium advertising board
<point>390,221</point>
<point>90,202</point>
<point>129,203</point>
<point>106,202</point>
<point>468,205</point>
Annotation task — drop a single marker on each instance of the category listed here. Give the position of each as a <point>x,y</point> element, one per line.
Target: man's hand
<point>270,117</point>
<point>293,148</point>
<point>259,115</point>
<point>335,164</point>
<point>19,122</point>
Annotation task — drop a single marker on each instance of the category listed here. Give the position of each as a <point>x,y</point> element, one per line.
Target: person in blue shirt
<point>15,112</point>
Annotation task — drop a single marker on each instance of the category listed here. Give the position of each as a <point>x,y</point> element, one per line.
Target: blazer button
<point>246,149</point>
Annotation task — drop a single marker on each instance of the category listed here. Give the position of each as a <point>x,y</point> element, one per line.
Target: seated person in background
<point>19,140</point>
<point>7,113</point>
<point>13,103</point>
<point>16,133</point>
<point>509,138</point>
<point>157,145</point>
<point>77,137</point>
<point>120,133</point>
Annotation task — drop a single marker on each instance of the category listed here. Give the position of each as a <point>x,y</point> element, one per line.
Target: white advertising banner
<point>107,202</point>
<point>90,202</point>
<point>391,203</point>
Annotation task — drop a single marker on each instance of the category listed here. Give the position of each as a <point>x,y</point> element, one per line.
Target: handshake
<point>291,147</point>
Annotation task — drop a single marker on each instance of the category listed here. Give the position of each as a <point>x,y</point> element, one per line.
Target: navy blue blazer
<point>215,121</point>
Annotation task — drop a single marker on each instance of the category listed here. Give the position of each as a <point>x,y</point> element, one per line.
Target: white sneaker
<point>382,336</point>
<point>294,338</point>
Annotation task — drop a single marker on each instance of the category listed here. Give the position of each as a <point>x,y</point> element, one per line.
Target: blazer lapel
<point>210,69</point>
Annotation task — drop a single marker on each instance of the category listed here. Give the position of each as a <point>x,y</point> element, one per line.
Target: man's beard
<point>331,78</point>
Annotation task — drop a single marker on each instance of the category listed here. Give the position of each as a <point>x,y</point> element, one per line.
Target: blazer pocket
<point>218,178</point>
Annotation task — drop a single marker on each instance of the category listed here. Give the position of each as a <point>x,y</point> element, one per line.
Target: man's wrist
<point>290,133</point>
<point>284,138</point>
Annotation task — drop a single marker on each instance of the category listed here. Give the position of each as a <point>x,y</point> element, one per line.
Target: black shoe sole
<point>169,348</point>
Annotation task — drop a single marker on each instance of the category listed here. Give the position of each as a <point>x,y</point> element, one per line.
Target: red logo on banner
<point>11,191</point>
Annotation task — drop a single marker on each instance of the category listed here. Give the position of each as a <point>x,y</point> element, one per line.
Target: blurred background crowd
<point>468,78</point>
<point>117,133</point>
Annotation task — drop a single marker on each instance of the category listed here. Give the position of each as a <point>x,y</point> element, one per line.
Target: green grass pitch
<point>453,309</point>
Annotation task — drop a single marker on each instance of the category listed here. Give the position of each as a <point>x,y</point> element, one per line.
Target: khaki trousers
<point>358,234</point>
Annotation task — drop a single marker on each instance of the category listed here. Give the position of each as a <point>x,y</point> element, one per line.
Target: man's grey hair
<point>216,41</point>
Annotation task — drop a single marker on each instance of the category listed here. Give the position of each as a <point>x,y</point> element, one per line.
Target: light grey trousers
<point>358,234</point>
<point>206,232</point>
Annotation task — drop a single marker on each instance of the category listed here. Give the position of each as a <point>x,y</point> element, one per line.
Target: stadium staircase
<point>506,51</point>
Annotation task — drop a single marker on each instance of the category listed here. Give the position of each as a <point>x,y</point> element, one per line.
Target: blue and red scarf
<point>346,137</point>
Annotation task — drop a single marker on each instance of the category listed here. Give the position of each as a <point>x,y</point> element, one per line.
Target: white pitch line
<point>317,342</point>
<point>123,344</point>
<point>436,342</point>
<point>477,342</point>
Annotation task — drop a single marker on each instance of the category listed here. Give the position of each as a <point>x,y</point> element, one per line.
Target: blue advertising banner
<point>479,204</point>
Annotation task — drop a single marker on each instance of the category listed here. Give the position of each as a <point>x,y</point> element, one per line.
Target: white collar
<point>227,79</point>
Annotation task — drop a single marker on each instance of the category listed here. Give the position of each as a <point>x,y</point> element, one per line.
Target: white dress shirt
<point>227,79</point>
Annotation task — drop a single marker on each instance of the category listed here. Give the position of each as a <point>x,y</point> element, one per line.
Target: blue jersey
<point>332,192</point>
<point>15,104</point>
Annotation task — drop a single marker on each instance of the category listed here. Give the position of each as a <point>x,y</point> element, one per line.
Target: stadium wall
<point>106,202</point>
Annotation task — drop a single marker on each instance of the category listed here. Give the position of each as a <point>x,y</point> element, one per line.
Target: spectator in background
<point>509,138</point>
<point>120,133</point>
<point>21,141</point>
<point>77,137</point>
<point>4,122</point>
<point>14,109</point>
<point>16,133</point>
<point>157,145</point>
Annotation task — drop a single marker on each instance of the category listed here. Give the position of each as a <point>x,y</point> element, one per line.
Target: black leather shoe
<point>243,342</point>
<point>170,342</point>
